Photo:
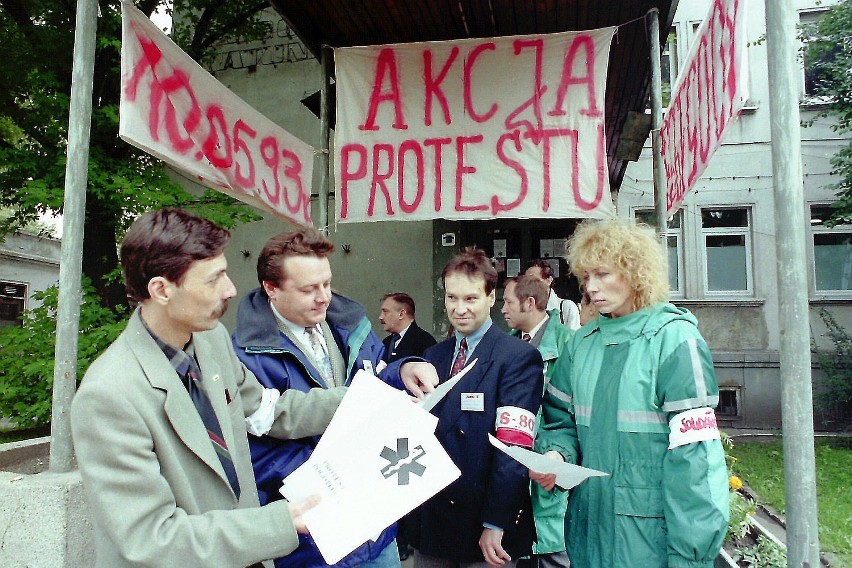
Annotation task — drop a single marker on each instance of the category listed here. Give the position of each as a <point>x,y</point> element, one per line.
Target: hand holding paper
<point>377,460</point>
<point>434,397</point>
<point>567,475</point>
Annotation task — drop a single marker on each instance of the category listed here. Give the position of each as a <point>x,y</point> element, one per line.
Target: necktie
<point>394,340</point>
<point>320,355</point>
<point>208,417</point>
<point>461,356</point>
<point>526,336</point>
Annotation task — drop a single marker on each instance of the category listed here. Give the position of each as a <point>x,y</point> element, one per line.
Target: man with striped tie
<point>295,334</point>
<point>483,518</point>
<point>161,418</point>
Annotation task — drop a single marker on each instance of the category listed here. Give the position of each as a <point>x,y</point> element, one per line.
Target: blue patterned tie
<point>208,416</point>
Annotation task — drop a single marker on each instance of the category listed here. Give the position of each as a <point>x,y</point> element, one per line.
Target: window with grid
<point>726,250</point>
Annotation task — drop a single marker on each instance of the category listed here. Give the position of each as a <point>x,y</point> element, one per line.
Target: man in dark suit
<point>485,515</point>
<point>406,338</point>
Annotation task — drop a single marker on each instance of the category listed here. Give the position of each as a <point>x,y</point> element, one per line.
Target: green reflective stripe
<point>558,394</point>
<point>689,403</point>
<point>356,340</point>
<point>641,417</point>
<point>580,410</point>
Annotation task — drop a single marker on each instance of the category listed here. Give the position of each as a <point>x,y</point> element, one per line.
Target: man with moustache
<point>406,338</point>
<point>160,420</point>
<point>484,517</point>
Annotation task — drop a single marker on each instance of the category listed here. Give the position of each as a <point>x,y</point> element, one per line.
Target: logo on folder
<point>403,462</point>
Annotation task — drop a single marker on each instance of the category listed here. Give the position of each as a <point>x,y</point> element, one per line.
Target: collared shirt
<point>177,358</point>
<point>402,333</point>
<point>473,339</point>
<point>538,326</point>
<point>298,331</point>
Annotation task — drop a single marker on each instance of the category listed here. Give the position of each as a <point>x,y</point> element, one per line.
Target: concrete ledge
<point>27,456</point>
<point>44,519</point>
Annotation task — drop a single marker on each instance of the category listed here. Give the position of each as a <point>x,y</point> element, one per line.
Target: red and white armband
<point>695,425</point>
<point>515,426</point>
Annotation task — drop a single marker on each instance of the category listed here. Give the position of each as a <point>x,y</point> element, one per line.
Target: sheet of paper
<point>378,460</point>
<point>567,475</point>
<point>434,397</point>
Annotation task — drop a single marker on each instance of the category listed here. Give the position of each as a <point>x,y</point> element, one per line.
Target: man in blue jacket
<point>293,332</point>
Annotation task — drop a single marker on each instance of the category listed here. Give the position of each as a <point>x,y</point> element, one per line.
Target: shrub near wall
<point>27,354</point>
<point>834,401</point>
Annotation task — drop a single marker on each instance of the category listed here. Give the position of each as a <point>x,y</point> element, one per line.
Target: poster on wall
<point>509,127</point>
<point>173,109</point>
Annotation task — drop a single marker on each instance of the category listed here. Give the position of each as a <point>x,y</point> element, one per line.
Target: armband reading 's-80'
<point>515,426</point>
<point>695,425</point>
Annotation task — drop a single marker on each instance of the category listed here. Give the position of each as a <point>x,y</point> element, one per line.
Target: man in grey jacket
<point>160,420</point>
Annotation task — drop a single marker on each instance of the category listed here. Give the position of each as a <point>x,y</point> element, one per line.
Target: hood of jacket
<point>647,321</point>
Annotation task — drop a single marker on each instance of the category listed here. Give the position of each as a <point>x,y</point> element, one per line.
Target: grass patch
<point>761,465</point>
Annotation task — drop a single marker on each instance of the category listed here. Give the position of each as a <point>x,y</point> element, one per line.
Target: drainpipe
<point>71,255</point>
<point>796,399</point>
<point>325,62</point>
<point>653,18</point>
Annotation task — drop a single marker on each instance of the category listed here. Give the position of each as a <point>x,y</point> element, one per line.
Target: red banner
<point>710,92</point>
<point>175,110</point>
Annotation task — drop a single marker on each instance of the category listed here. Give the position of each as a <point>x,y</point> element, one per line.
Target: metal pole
<point>324,138</point>
<point>796,401</point>
<point>71,256</point>
<point>653,16</point>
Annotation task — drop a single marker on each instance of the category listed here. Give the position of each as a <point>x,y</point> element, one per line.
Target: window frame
<point>814,230</point>
<point>23,299</point>
<point>811,15</point>
<point>677,232</point>
<point>746,232</point>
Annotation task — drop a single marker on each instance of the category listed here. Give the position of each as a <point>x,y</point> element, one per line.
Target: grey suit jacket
<point>155,486</point>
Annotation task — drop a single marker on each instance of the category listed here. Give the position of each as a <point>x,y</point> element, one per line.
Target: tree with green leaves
<point>828,57</point>
<point>35,90</point>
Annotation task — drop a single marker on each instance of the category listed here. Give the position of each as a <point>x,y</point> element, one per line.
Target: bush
<point>27,353</point>
<point>834,401</point>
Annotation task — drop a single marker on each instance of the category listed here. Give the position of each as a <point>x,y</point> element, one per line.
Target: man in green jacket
<point>524,309</point>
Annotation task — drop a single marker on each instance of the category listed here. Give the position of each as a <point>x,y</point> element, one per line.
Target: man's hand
<point>299,509</point>
<point>547,480</point>
<point>419,377</point>
<point>492,548</point>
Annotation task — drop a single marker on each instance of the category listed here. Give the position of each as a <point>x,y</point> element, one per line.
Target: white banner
<point>508,127</point>
<point>710,92</point>
<point>175,110</point>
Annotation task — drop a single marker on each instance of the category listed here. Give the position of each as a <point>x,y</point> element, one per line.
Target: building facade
<point>28,264</point>
<point>722,240</point>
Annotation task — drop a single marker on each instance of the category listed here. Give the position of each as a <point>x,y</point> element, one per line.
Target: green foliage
<point>35,87</point>
<point>761,465</point>
<point>834,400</point>
<point>828,55</point>
<point>740,523</point>
<point>765,553</point>
<point>27,354</point>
